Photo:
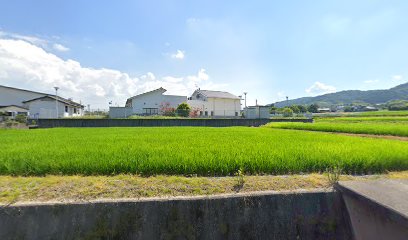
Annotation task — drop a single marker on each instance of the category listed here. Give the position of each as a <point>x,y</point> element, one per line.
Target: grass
<point>192,150</point>
<point>86,188</point>
<point>376,128</point>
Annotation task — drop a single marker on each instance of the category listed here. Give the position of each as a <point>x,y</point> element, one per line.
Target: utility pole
<point>56,99</point>
<point>245,93</point>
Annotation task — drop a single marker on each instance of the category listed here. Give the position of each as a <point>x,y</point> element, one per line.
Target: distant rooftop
<point>217,94</point>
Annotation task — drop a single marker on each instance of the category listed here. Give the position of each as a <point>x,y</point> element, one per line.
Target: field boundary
<point>51,123</point>
<point>316,214</point>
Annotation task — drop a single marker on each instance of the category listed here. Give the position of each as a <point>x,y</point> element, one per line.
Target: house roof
<point>59,99</point>
<point>162,90</point>
<point>23,90</point>
<point>14,106</point>
<point>217,94</point>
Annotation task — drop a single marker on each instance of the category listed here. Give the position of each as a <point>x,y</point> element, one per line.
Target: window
<point>201,113</point>
<point>236,114</point>
<point>66,109</point>
<point>150,111</point>
<point>206,113</point>
<point>75,111</point>
<point>212,113</point>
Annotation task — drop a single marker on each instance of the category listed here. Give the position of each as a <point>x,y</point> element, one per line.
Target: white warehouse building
<point>36,104</point>
<point>148,103</point>
<point>215,103</point>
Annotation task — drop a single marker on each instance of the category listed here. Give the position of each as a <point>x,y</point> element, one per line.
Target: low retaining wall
<point>307,215</point>
<point>50,123</point>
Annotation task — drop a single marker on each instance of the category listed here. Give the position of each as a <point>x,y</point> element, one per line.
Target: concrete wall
<point>120,112</point>
<point>49,123</point>
<point>312,215</point>
<point>257,112</point>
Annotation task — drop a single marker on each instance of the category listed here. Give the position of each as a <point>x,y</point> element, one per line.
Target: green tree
<point>302,108</point>
<point>295,108</point>
<point>313,108</point>
<point>21,118</point>
<point>348,109</point>
<point>183,110</point>
<point>287,112</point>
<point>273,110</point>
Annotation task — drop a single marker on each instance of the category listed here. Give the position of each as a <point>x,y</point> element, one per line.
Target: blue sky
<point>108,50</point>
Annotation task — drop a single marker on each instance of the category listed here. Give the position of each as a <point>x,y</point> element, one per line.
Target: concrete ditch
<point>267,215</point>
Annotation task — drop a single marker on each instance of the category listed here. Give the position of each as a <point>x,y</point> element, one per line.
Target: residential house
<point>37,104</point>
<point>215,103</point>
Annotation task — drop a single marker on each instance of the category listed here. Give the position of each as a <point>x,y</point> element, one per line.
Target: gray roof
<point>23,90</point>
<point>60,99</point>
<point>218,94</point>
<point>162,90</point>
<point>14,106</point>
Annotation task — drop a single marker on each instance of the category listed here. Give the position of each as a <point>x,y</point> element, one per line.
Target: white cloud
<point>371,81</point>
<point>25,65</point>
<point>31,39</point>
<point>60,47</point>
<point>172,79</point>
<point>397,78</point>
<point>148,76</point>
<point>178,55</point>
<point>320,88</point>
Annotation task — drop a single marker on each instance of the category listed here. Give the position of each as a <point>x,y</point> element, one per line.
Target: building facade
<point>39,105</point>
<point>152,103</point>
<point>215,103</point>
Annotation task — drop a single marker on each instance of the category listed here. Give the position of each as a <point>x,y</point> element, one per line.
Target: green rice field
<point>382,113</point>
<point>192,150</point>
<point>394,129</point>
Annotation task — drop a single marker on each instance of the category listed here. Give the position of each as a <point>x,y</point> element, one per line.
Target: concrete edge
<point>171,198</point>
<point>385,210</point>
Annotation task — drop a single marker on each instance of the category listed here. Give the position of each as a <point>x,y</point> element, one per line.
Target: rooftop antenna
<point>245,93</point>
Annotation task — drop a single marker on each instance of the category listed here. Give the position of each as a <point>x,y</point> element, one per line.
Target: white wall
<point>9,96</point>
<point>46,108</point>
<point>257,112</point>
<point>154,100</point>
<point>221,107</point>
<point>120,112</point>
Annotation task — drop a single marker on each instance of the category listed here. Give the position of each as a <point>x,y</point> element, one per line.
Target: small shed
<point>257,112</point>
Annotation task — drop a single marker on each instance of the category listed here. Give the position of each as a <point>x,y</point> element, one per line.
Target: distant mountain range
<point>399,92</point>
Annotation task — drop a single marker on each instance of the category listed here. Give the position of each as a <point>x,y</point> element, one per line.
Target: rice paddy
<point>199,151</point>
<point>387,125</point>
